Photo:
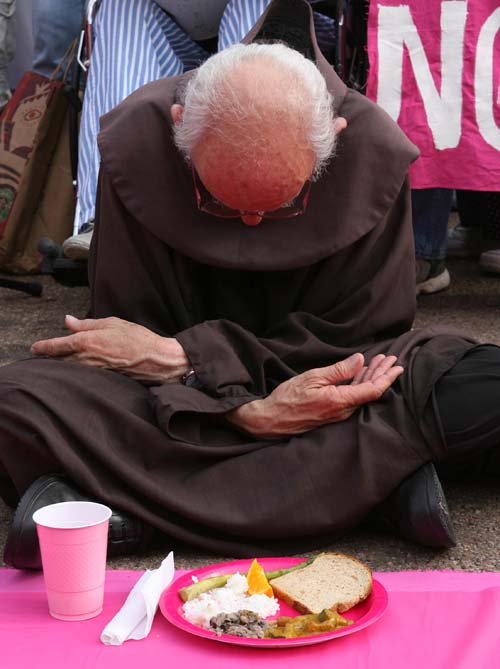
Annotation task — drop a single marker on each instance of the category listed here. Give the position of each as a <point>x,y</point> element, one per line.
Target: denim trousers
<point>431,210</point>
<point>56,23</point>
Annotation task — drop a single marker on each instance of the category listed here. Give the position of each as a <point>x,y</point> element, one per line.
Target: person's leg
<point>479,228</point>
<point>465,238</point>
<point>134,43</point>
<point>53,428</point>
<point>489,260</point>
<point>61,417</point>
<point>55,24</point>
<point>129,50</point>
<point>7,46</point>
<point>431,210</point>
<point>467,400</point>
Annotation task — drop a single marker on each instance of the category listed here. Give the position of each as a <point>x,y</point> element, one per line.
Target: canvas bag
<point>36,191</point>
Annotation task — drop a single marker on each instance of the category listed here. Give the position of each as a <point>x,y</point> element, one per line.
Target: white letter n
<point>396,30</point>
<point>483,81</point>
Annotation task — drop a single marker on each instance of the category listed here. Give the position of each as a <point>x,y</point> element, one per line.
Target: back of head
<point>257,100</point>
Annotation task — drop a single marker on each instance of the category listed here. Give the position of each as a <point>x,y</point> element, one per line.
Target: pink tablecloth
<point>435,620</point>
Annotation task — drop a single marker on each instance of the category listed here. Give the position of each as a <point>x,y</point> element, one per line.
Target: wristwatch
<point>191,380</point>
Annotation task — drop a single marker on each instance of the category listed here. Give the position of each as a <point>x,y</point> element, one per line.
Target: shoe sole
<point>435,284</point>
<point>443,536</point>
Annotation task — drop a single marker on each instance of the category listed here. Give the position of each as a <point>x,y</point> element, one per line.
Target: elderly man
<point>237,385</point>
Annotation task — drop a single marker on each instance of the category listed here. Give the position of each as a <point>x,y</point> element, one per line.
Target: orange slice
<point>257,581</point>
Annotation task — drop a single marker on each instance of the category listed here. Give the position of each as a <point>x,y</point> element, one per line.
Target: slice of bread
<point>333,581</point>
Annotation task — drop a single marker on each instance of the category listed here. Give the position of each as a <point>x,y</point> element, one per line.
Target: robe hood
<point>154,182</point>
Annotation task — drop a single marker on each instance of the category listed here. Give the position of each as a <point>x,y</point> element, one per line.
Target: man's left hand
<point>113,343</point>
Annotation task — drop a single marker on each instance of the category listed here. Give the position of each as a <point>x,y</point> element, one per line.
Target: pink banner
<point>435,68</point>
<point>434,620</point>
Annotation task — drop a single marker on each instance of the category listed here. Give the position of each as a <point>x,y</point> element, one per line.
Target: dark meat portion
<point>242,623</point>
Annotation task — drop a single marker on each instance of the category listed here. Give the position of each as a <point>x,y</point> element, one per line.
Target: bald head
<point>256,126</point>
<point>256,159</point>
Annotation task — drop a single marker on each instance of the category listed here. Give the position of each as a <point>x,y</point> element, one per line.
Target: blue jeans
<point>56,23</point>
<point>431,210</point>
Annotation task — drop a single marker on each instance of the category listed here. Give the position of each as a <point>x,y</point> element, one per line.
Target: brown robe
<point>252,307</point>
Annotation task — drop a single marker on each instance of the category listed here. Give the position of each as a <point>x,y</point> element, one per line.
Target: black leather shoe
<point>288,21</point>
<point>417,511</point>
<point>127,535</point>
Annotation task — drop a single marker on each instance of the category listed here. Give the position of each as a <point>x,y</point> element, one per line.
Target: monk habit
<point>252,307</point>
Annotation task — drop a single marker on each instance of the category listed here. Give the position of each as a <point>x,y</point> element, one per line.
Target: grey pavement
<point>472,303</point>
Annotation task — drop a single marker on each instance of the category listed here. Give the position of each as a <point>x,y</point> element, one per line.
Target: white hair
<point>302,97</point>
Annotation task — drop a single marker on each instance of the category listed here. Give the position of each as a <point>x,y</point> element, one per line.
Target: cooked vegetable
<point>312,623</point>
<point>191,591</point>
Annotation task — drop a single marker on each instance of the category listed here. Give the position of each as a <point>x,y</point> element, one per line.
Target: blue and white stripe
<point>238,19</point>
<point>136,42</point>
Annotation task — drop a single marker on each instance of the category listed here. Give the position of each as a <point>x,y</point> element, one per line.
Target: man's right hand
<point>314,398</point>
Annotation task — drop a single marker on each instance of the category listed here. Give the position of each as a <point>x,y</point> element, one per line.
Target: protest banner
<point>435,68</point>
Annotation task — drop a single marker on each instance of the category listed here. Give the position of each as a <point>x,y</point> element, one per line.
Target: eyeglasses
<point>207,203</point>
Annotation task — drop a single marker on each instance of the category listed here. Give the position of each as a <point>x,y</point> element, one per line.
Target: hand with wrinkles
<point>113,343</point>
<point>315,397</point>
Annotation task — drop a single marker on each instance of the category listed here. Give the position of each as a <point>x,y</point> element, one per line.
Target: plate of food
<point>276,602</point>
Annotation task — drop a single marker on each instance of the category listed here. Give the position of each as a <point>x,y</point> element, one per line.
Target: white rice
<point>228,599</point>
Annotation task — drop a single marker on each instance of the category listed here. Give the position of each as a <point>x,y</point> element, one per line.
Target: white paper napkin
<point>134,619</point>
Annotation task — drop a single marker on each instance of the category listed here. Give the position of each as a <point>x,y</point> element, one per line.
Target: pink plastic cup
<point>73,540</point>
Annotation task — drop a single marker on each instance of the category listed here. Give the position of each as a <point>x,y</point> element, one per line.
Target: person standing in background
<point>478,234</point>
<point>141,41</point>
<point>434,69</point>
<point>7,46</point>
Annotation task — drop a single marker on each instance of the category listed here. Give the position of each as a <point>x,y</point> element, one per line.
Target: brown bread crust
<point>340,608</point>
